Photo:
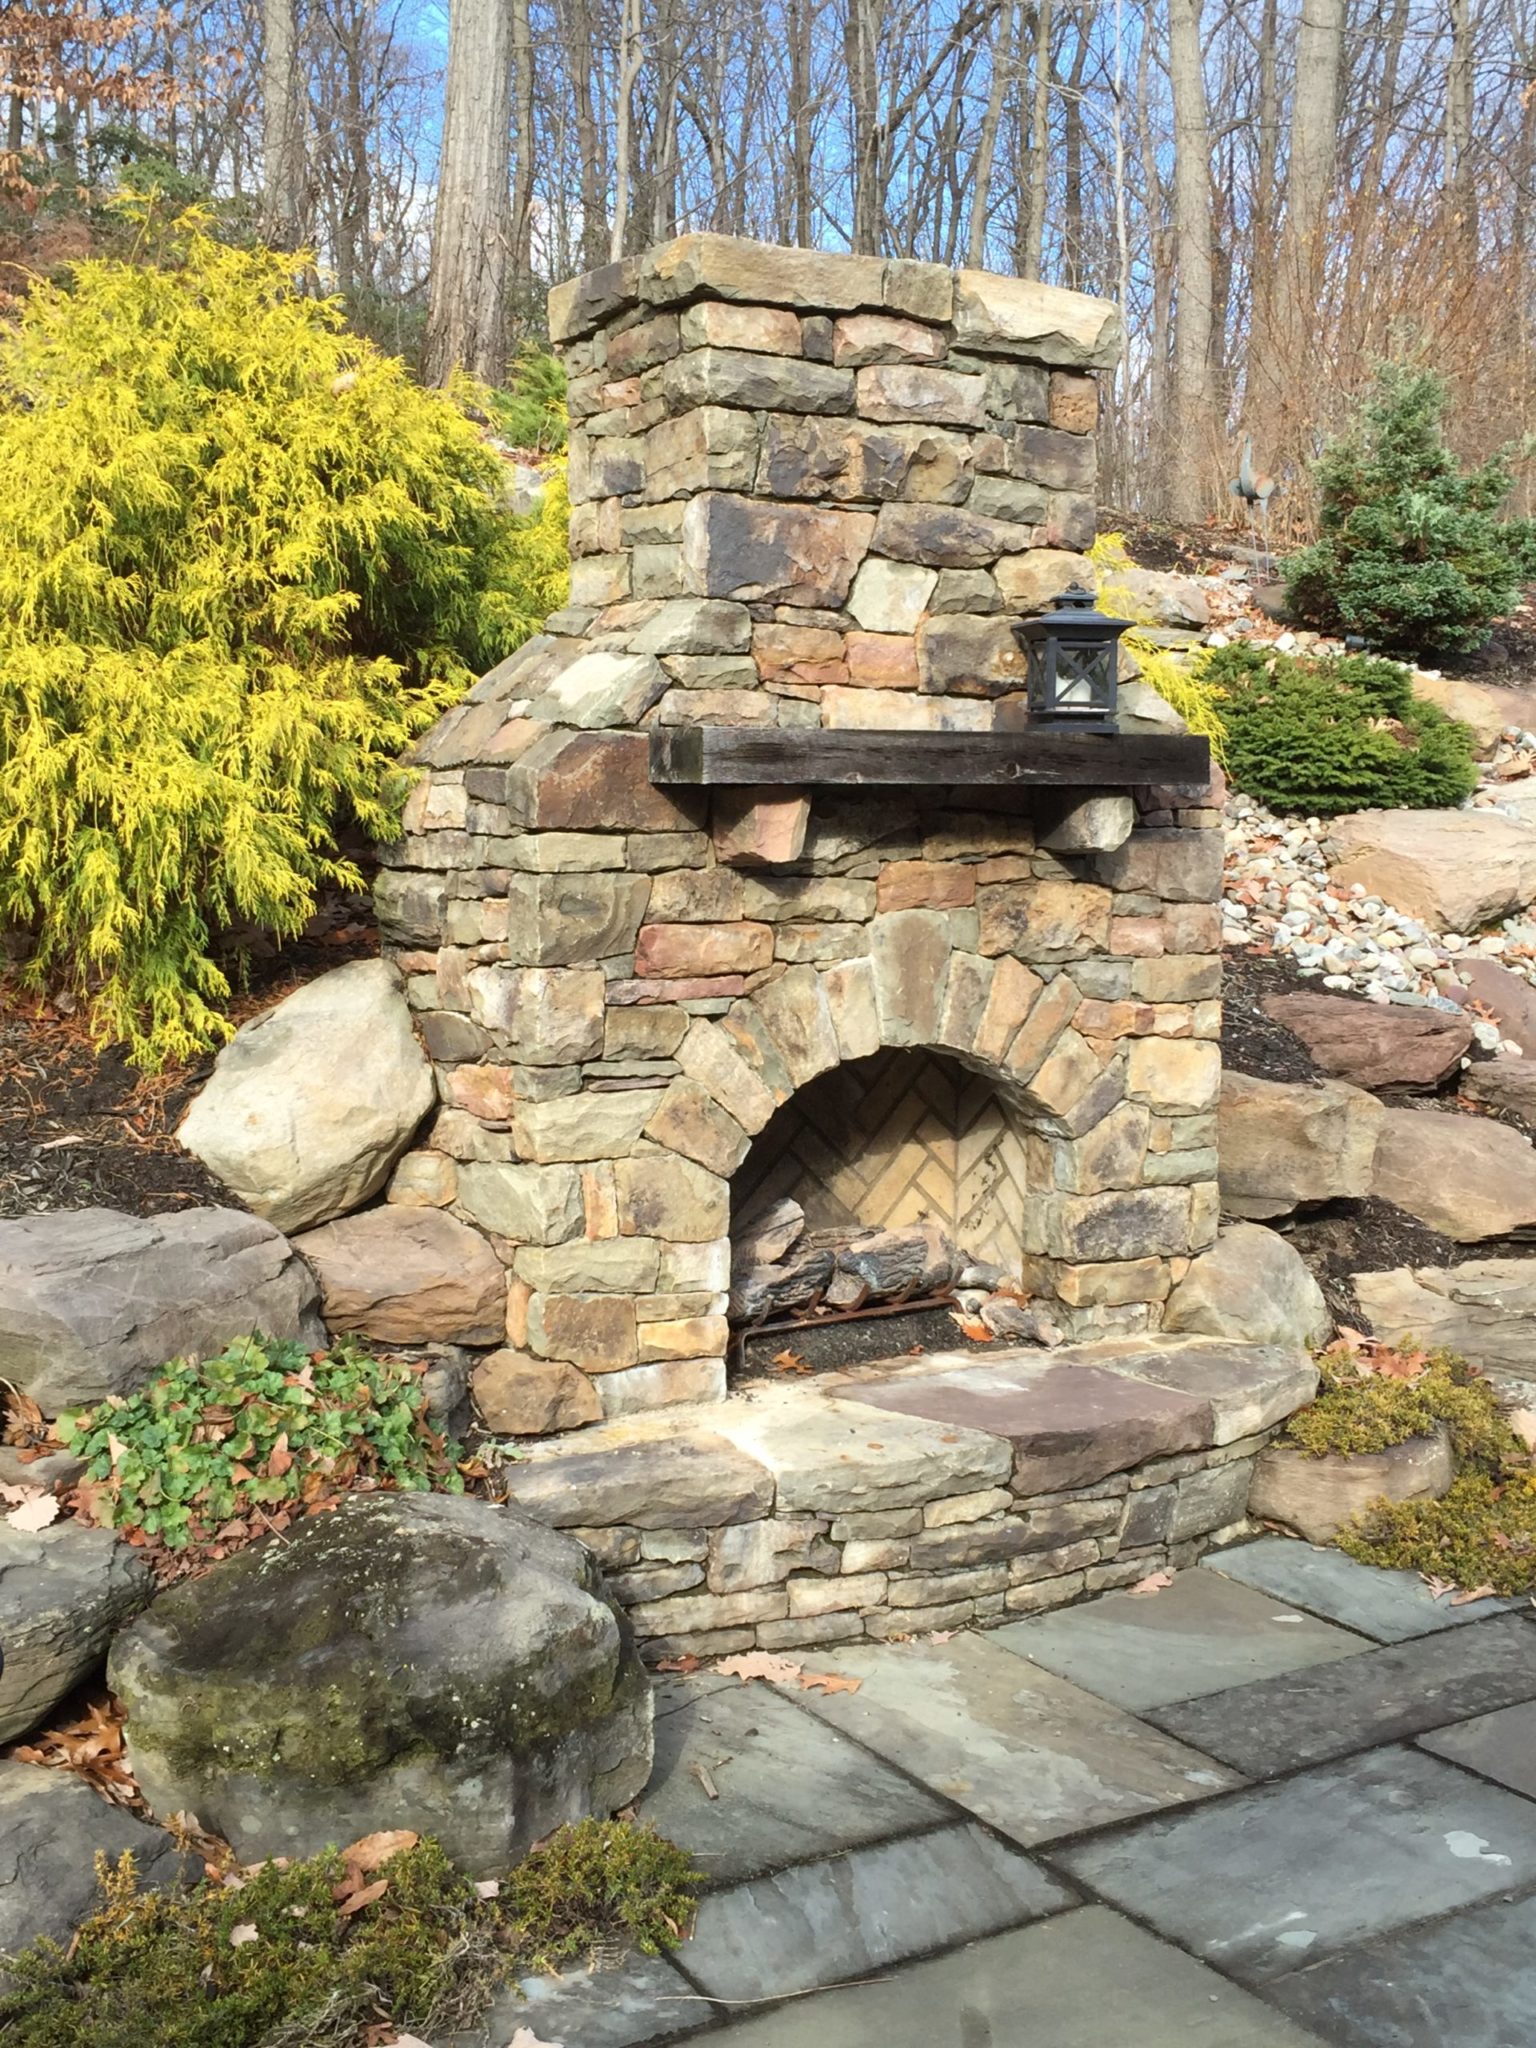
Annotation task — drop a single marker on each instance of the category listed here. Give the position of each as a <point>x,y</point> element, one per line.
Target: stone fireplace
<point>748,877</point>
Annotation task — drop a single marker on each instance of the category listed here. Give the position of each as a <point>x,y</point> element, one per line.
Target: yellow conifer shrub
<point>243,560</point>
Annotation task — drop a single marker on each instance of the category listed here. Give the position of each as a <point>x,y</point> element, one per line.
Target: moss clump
<point>1362,1408</point>
<point>1482,1534</point>
<point>1341,734</point>
<point>203,1450</point>
<point>184,1969</point>
<point>597,1884</point>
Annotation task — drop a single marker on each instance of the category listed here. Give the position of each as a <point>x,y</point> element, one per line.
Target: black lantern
<point>1072,657</point>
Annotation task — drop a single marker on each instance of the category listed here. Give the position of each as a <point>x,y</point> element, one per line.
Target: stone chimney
<point>759,814</point>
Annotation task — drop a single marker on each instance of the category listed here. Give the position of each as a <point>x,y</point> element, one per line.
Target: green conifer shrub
<point>1411,552</point>
<point>243,560</point>
<point>1345,733</point>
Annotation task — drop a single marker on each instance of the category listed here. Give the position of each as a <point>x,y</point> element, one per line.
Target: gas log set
<point>788,1276</point>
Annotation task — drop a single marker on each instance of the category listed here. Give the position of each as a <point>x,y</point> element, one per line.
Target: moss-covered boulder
<point>409,1661</point>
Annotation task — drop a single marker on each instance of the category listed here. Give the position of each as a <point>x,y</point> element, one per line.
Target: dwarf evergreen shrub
<point>1411,552</point>
<point>243,559</point>
<point>1340,734</point>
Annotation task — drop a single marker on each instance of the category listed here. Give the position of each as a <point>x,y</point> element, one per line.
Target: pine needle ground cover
<point>243,561</point>
<point>344,1950</point>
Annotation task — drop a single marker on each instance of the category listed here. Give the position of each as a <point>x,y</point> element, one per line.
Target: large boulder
<point>408,1276</point>
<point>92,1302</point>
<point>1252,1286</point>
<point>1453,870</point>
<point>1162,596</point>
<point>1373,1045</point>
<point>1485,1310</point>
<point>1506,997</point>
<point>1504,1083</point>
<point>53,1825</point>
<point>1465,1176</point>
<point>408,1661</point>
<point>311,1104</point>
<point>1286,1142</point>
<point>1317,1496</point>
<point>1486,707</point>
<point>64,1592</point>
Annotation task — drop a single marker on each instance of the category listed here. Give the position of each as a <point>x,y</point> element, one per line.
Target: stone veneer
<point>807,491</point>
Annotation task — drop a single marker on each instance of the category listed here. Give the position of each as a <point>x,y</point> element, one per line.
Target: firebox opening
<point>892,1191</point>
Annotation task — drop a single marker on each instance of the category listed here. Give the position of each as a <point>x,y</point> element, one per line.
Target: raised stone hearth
<point>750,869</point>
<point>891,1502</point>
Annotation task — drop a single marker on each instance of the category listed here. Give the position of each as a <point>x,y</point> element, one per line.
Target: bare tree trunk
<point>522,162</point>
<point>986,143</point>
<point>283,126</point>
<point>802,137</point>
<point>1193,397</point>
<point>1460,191</point>
<point>860,41</point>
<point>623,126</point>
<point>1033,254</point>
<point>1072,151</point>
<point>471,230</point>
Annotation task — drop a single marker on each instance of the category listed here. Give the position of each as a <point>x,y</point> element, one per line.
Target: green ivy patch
<point>203,1450</point>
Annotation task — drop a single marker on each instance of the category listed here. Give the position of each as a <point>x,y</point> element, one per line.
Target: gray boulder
<point>52,1825</point>
<point>311,1104</point>
<point>409,1661</point>
<point>1287,1142</point>
<point>1252,1286</point>
<point>1484,1309</point>
<point>63,1594</point>
<point>92,1302</point>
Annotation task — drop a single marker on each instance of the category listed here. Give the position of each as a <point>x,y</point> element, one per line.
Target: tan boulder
<point>1317,1496</point>
<point>408,1276</point>
<point>1483,706</point>
<point>1465,1176</point>
<point>1285,1142</point>
<point>1454,870</point>
<point>518,1395</point>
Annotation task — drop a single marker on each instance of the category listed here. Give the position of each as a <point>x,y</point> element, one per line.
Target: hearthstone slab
<point>747,1781</point>
<point>833,1457</point>
<point>1250,1387</point>
<point>1279,1724</point>
<point>1085,1979</point>
<point>642,1999</point>
<point>821,1923</point>
<point>1501,1746</point>
<point>1069,1424</point>
<point>631,1473</point>
<point>1470,1981</point>
<point>1280,1874</point>
<point>1202,1634</point>
<point>1390,1607</point>
<point>1020,1748</point>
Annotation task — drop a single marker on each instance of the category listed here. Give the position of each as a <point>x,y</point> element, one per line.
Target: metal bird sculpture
<point>1255,489</point>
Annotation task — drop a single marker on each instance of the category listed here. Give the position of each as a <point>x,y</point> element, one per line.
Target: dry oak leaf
<point>686,1664</point>
<point>35,1512</point>
<point>246,1931</point>
<point>759,1664</point>
<point>372,1851</point>
<point>1465,1599</point>
<point>1438,1588</point>
<point>790,1361</point>
<point>1154,1582</point>
<point>365,1897</point>
<point>828,1682</point>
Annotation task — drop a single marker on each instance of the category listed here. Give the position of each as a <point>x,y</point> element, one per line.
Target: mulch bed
<point>787,1355</point>
<point>80,1128</point>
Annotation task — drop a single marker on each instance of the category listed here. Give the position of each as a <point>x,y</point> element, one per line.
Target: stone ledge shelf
<point>962,1488</point>
<point>746,756</point>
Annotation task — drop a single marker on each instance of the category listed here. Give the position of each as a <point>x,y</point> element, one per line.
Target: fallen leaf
<point>372,1851</point>
<point>1472,1593</point>
<point>365,1897</point>
<point>36,1512</point>
<point>828,1682</point>
<point>686,1664</point>
<point>1154,1582</point>
<point>970,1326</point>
<point>280,1458</point>
<point>525,2037</point>
<point>790,1361</point>
<point>758,1664</point>
<point>246,1931</point>
<point>943,1635</point>
<point>488,1888</point>
<point>1438,1588</point>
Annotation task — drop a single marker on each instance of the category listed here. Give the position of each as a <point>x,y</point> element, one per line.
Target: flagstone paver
<point>1380,1696</point>
<point>747,1781</point>
<point>1089,1979</point>
<point>1500,1746</point>
<point>821,1923</point>
<point>1468,1983</point>
<point>643,2000</point>
<point>1017,1746</point>
<point>1388,1606</point>
<point>1202,1634</point>
<point>1274,1876</point>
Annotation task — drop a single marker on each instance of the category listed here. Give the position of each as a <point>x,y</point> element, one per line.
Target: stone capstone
<point>1283,1143</point>
<point>93,1302</point>
<point>412,1660</point>
<point>408,1276</point>
<point>1466,1176</point>
<point>64,1591</point>
<point>54,1827</point>
<point>311,1104</point>
<point>1373,1045</point>
<point>1253,1286</point>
